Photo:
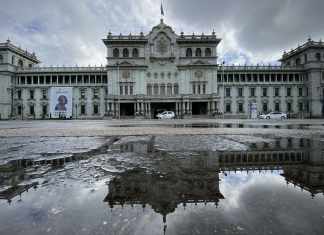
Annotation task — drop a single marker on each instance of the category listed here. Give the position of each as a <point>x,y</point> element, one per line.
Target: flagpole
<point>162,10</point>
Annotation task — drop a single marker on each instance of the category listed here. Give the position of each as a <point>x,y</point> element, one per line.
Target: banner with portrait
<point>61,102</point>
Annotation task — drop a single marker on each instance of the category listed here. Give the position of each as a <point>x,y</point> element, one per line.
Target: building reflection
<point>179,179</point>
<point>194,178</point>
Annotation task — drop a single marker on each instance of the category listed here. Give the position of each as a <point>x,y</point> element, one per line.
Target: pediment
<point>200,62</point>
<point>125,63</point>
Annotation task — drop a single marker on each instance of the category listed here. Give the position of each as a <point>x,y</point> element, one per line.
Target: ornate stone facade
<point>162,70</point>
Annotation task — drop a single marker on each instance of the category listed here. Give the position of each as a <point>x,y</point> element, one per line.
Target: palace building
<point>161,70</point>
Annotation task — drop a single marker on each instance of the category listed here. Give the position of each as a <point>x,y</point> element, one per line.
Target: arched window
<point>189,52</point>
<point>208,52</point>
<point>135,52</point>
<point>20,63</point>
<point>1,59</point>
<point>125,53</point>
<point>116,53</point>
<point>198,52</point>
<point>13,60</point>
<point>318,56</point>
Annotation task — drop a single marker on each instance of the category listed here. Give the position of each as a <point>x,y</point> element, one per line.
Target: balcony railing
<point>64,69</point>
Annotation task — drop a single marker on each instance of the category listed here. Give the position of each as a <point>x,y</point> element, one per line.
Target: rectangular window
<point>131,89</point>
<point>289,107</point>
<point>307,107</point>
<point>240,107</point>
<point>19,94</point>
<point>300,107</point>
<point>31,94</point>
<point>264,91</point>
<point>169,89</point>
<point>204,88</point>
<point>67,79</point>
<point>240,92</point>
<point>35,80</point>
<point>41,80</point>
<point>288,91</point>
<point>228,92</point>
<point>95,109</point>
<point>252,91</point>
<point>79,79</point>
<point>104,79</point>
<point>120,90</point>
<point>176,89</point>
<point>156,89</point>
<point>276,91</point>
<point>149,89</point>
<point>228,108</point>
<point>48,79</point>
<point>194,89</point>
<point>265,107</point>
<point>300,91</point>
<point>277,107</point>
<point>31,110</point>
<point>73,79</point>
<point>92,79</point>
<point>60,79</point>
<point>126,90</point>
<point>83,109</point>
<point>44,110</point>
<point>198,89</point>
<point>19,111</point>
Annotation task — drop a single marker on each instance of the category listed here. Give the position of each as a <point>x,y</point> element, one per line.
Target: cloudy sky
<point>69,32</point>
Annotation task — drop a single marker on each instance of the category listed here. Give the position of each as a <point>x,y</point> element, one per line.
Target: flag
<point>162,11</point>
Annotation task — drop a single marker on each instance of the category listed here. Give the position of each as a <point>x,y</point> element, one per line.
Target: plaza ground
<point>293,127</point>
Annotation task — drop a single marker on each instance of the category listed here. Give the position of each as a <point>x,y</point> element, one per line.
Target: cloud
<point>69,32</point>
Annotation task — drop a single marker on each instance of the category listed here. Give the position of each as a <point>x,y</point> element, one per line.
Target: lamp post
<point>223,63</point>
<point>118,90</point>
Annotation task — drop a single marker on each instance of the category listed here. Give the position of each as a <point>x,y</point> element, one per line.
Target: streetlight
<point>118,90</point>
<point>223,63</point>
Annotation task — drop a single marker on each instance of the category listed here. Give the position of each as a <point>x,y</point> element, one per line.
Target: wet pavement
<point>163,184</point>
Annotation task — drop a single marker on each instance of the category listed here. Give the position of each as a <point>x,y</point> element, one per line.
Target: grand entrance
<point>199,108</point>
<point>160,107</point>
<point>127,109</point>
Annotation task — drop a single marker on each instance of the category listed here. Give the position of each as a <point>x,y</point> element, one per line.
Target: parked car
<point>166,115</point>
<point>274,115</point>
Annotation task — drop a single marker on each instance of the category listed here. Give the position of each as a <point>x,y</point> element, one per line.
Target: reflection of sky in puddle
<point>203,193</point>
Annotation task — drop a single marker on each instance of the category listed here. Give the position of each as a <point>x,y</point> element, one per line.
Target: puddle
<point>229,184</point>
<point>223,125</point>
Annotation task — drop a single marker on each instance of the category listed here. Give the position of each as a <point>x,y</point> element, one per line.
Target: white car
<point>166,115</point>
<point>274,115</point>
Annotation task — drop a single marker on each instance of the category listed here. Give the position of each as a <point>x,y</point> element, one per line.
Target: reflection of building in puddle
<point>10,193</point>
<point>184,181</point>
<point>140,147</point>
<point>194,178</point>
<point>309,176</point>
<point>267,156</point>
